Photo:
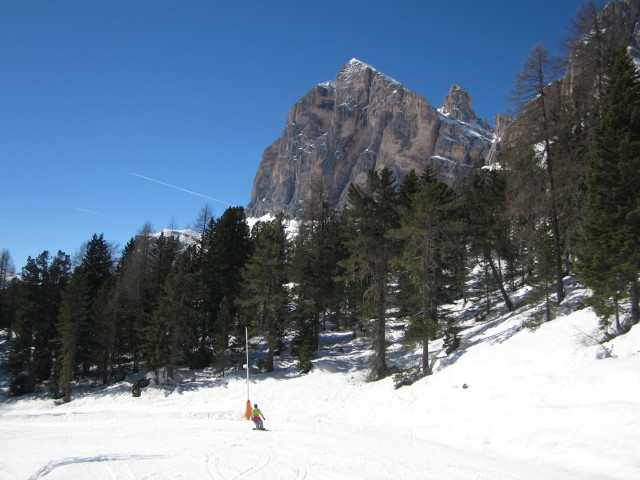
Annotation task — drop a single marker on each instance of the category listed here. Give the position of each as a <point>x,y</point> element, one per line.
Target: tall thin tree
<point>373,215</point>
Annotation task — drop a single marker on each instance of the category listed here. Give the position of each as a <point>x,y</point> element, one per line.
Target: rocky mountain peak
<point>457,105</point>
<point>355,65</point>
<point>355,70</point>
<point>340,130</point>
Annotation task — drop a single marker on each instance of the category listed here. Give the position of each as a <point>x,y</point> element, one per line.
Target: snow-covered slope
<point>186,237</point>
<point>511,403</point>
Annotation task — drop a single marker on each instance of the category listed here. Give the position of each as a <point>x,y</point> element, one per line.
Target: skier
<point>255,416</point>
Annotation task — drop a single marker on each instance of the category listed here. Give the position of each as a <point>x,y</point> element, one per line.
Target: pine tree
<point>96,269</point>
<point>543,269</point>
<point>406,291</point>
<point>486,228</point>
<point>177,324</point>
<point>226,245</point>
<point>6,270</point>
<point>204,218</point>
<point>134,292</point>
<point>533,163</point>
<point>609,253</point>
<point>38,301</point>
<point>122,307</point>
<point>373,215</point>
<point>74,318</point>
<point>429,240</point>
<point>225,320</point>
<point>163,253</point>
<point>315,272</point>
<point>266,297</point>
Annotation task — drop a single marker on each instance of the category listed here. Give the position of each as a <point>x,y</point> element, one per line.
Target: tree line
<point>561,200</point>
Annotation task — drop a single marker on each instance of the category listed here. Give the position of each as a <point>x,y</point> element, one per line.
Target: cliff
<point>364,120</point>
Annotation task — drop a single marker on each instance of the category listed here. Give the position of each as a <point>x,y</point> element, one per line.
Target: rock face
<point>365,120</point>
<point>618,23</point>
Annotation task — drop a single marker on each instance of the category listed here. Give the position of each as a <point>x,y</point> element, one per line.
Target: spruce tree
<point>429,240</point>
<point>373,215</point>
<point>37,304</point>
<point>226,245</point>
<point>96,269</point>
<point>533,163</point>
<point>134,292</point>
<point>164,251</point>
<point>7,269</point>
<point>543,270</point>
<point>609,252</point>
<point>74,318</point>
<point>486,227</point>
<point>182,315</point>
<point>266,297</point>
<point>315,271</point>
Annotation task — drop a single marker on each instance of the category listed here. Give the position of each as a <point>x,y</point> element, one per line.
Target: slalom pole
<point>247,411</point>
<point>246,332</point>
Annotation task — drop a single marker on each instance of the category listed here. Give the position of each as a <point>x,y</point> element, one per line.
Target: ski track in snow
<point>510,404</point>
<point>51,466</point>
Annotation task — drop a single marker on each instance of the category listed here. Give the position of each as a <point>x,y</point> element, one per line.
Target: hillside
<point>510,403</point>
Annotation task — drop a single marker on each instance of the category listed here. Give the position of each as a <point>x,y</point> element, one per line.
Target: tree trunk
<point>316,331</point>
<point>426,368</point>
<point>498,277</point>
<point>379,367</point>
<point>271,340</point>
<point>634,293</point>
<point>379,364</point>
<point>547,304</point>
<point>555,229</point>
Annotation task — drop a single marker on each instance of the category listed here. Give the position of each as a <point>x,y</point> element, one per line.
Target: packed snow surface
<point>511,403</point>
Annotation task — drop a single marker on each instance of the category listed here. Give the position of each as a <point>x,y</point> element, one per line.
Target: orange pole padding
<point>247,412</point>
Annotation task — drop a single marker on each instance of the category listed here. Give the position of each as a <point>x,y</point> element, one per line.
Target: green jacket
<point>256,413</point>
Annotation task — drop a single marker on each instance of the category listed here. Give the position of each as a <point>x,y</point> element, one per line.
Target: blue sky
<point>101,100</point>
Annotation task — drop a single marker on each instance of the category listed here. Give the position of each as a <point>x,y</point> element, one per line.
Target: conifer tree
<point>609,253</point>
<point>225,320</point>
<point>164,251</point>
<point>74,318</point>
<point>533,163</point>
<point>7,268</point>
<point>135,292</point>
<point>315,272</point>
<point>155,343</point>
<point>122,307</point>
<point>373,215</point>
<point>203,220</point>
<point>406,291</point>
<point>96,269</point>
<point>182,315</point>
<point>543,270</point>
<point>429,240</point>
<point>38,302</point>
<point>266,297</point>
<point>486,227</point>
<point>226,245</point>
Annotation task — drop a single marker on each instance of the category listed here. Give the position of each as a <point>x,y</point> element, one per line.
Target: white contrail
<point>104,215</point>
<point>3,220</point>
<point>182,189</point>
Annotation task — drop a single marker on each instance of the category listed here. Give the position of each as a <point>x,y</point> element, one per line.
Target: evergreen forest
<point>560,201</point>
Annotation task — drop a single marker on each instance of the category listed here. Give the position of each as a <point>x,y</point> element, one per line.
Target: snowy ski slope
<point>510,404</point>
